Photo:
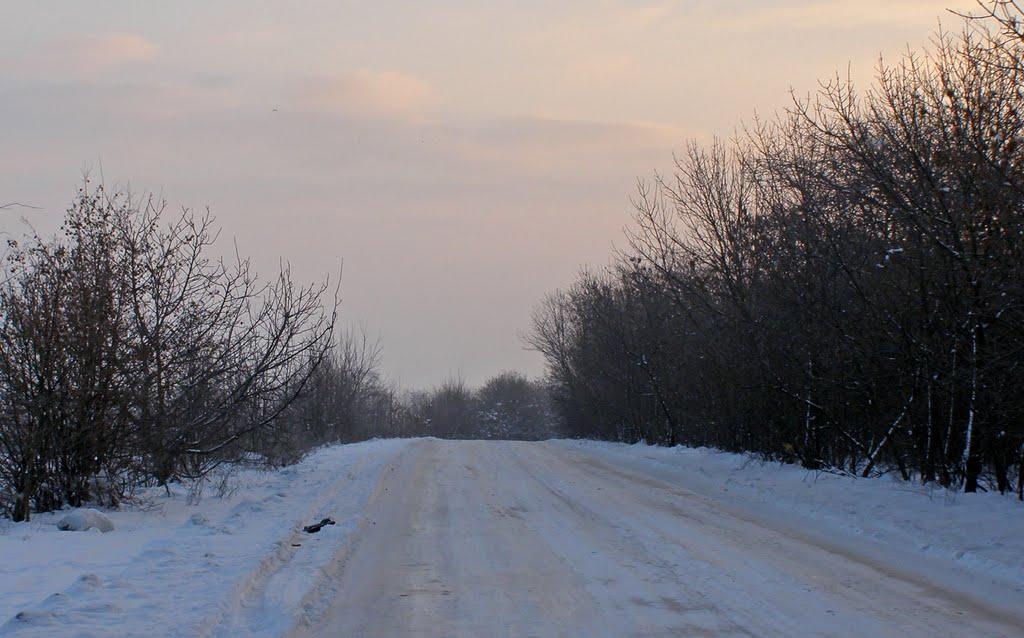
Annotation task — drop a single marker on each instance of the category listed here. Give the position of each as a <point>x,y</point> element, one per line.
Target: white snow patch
<point>84,519</point>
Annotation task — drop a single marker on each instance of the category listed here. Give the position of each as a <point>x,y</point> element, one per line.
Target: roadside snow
<point>982,534</point>
<point>191,569</point>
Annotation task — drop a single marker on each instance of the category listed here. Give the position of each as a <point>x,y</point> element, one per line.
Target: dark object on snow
<point>313,529</point>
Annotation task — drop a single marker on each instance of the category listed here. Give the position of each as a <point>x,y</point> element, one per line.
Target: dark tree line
<point>506,406</point>
<point>129,355</point>
<point>842,286</point>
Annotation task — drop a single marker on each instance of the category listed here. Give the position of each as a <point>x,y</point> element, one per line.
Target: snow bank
<point>85,519</point>
<point>982,534</point>
<point>181,569</point>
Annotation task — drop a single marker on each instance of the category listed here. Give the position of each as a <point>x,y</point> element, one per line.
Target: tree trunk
<point>970,461</point>
<point>1020,474</point>
<point>1000,468</point>
<point>928,467</point>
<point>21,512</point>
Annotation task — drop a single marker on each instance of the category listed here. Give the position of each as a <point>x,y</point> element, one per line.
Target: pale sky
<point>462,159</point>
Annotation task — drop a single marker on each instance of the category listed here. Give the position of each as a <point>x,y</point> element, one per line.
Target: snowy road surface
<point>528,539</point>
<point>560,538</point>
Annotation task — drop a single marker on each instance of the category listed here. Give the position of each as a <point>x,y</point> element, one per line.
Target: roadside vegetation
<point>841,286</point>
<point>129,355</point>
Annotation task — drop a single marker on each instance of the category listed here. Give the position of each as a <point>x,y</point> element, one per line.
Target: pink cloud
<point>362,93</point>
<point>100,52</point>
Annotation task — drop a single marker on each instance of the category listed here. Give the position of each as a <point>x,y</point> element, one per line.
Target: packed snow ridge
<point>85,519</point>
<point>474,538</point>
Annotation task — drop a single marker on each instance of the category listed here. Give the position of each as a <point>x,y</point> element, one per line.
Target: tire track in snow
<point>786,551</point>
<point>320,596</point>
<point>244,611</point>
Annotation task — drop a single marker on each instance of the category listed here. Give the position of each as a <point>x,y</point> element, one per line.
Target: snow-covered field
<point>562,538</point>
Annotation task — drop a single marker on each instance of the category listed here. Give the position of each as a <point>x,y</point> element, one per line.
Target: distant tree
<point>449,410</point>
<point>510,406</point>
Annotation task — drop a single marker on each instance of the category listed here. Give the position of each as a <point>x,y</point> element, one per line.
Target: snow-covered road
<point>540,539</point>
<point>557,538</point>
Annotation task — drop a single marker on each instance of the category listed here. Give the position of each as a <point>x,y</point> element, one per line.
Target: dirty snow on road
<point>561,538</point>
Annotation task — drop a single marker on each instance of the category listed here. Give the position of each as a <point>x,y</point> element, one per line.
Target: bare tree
<point>129,353</point>
<point>839,286</point>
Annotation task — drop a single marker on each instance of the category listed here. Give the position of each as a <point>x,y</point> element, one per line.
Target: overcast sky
<point>461,158</point>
